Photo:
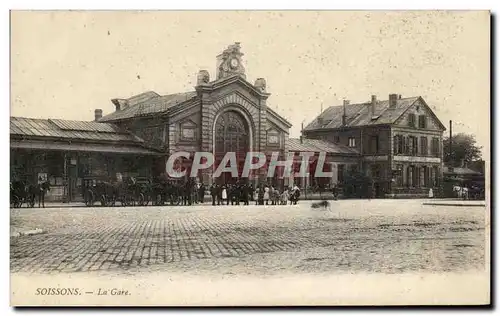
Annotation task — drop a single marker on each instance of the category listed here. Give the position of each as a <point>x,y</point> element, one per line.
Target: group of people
<point>261,195</point>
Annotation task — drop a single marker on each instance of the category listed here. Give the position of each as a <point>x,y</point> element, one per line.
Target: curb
<point>451,204</point>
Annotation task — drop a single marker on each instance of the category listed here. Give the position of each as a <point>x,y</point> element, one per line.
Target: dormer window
<point>422,121</point>
<point>411,120</point>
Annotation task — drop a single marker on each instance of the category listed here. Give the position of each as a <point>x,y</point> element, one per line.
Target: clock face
<point>234,63</point>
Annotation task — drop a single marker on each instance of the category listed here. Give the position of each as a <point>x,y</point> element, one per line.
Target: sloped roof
<point>148,103</point>
<point>359,114</point>
<point>66,129</point>
<point>317,145</point>
<point>461,171</point>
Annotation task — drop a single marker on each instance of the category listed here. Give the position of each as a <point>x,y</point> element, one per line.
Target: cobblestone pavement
<point>389,236</point>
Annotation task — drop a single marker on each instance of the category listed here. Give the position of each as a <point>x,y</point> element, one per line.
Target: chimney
<point>372,105</point>
<point>393,100</point>
<point>344,116</point>
<point>301,132</point>
<point>120,104</point>
<point>97,114</point>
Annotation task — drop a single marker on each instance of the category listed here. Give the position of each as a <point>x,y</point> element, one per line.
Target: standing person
<point>213,193</point>
<point>229,191</point>
<point>256,196</point>
<point>266,195</point>
<point>201,193</point>
<point>219,194</point>
<point>251,191</point>
<point>237,193</point>
<point>296,194</point>
<point>271,194</point>
<point>284,197</point>
<point>334,191</point>
<point>246,194</point>
<point>224,195</point>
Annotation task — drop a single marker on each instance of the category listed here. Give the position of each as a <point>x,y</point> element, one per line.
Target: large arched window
<point>231,134</point>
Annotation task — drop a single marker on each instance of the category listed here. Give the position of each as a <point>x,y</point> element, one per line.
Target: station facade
<point>229,114</point>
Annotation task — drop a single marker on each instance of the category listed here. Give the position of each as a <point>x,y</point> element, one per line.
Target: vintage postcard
<point>249,158</point>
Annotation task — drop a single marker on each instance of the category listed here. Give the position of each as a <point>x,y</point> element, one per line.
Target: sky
<point>66,64</point>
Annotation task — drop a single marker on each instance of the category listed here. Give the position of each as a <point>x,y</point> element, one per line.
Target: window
<point>412,146</point>
<point>153,135</point>
<point>375,171</point>
<point>411,120</point>
<point>374,144</point>
<point>340,173</point>
<point>423,146</point>
<point>352,142</point>
<point>435,147</point>
<point>398,175</point>
<point>406,145</point>
<point>409,176</point>
<point>353,169</point>
<point>422,121</point>
<point>398,145</point>
<point>434,176</point>
<point>415,145</point>
<point>395,145</point>
<point>336,139</point>
<point>423,171</point>
<point>412,176</point>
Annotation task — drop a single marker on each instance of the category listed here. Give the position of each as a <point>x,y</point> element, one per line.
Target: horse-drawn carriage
<point>22,192</point>
<point>26,192</point>
<point>128,192</point>
<point>132,192</point>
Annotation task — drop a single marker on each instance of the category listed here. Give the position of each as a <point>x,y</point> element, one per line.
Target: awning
<point>103,148</point>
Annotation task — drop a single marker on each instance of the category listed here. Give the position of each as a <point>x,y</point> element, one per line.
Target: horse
<point>18,193</point>
<point>461,192</point>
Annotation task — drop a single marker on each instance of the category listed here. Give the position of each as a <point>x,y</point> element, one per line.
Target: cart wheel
<point>159,200</point>
<point>141,200</point>
<point>31,202</point>
<point>146,199</point>
<point>16,201</point>
<point>175,200</point>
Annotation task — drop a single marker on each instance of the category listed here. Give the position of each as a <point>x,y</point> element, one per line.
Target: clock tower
<point>229,63</point>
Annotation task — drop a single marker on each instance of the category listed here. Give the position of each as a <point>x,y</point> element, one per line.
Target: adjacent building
<point>399,141</point>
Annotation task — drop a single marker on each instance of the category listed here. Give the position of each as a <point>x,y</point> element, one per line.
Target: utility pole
<point>450,149</point>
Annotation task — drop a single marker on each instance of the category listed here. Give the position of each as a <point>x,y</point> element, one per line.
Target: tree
<point>464,150</point>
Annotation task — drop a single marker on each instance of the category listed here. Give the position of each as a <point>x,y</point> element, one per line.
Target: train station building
<point>223,114</point>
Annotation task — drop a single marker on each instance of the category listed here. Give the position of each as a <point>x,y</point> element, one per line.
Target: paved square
<point>389,236</point>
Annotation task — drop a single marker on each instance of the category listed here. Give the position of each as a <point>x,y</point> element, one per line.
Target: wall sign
<point>188,133</point>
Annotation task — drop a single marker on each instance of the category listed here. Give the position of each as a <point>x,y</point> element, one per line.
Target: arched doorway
<point>232,134</point>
